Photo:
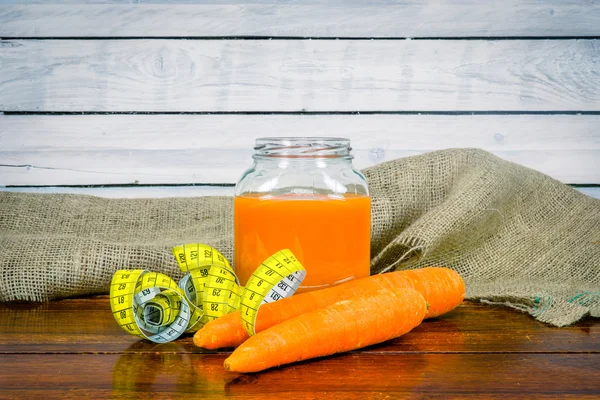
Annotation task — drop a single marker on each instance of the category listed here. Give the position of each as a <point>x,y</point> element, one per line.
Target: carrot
<point>346,325</point>
<point>442,288</point>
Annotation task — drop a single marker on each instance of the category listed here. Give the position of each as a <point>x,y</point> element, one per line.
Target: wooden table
<point>74,349</point>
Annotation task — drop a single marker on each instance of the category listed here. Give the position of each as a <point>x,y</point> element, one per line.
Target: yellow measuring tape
<point>152,306</point>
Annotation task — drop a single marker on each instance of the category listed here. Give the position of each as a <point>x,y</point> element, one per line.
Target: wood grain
<point>90,167</point>
<point>346,376</point>
<point>156,191</point>
<point>305,19</point>
<point>73,348</point>
<point>299,75</point>
<point>122,149</point>
<point>39,133</point>
<point>472,327</point>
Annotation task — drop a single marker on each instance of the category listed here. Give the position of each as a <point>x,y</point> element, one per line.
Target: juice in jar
<point>329,235</point>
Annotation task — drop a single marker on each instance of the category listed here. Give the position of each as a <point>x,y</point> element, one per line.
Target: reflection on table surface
<point>74,349</point>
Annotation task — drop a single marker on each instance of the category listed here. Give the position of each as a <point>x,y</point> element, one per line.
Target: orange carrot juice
<point>330,236</point>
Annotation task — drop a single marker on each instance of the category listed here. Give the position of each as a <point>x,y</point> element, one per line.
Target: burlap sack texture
<point>516,236</point>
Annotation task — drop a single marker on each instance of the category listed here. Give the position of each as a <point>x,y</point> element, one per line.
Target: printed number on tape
<point>152,306</point>
<point>278,277</point>
<point>149,305</point>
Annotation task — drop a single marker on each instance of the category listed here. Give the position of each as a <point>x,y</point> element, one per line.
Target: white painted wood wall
<point>165,98</point>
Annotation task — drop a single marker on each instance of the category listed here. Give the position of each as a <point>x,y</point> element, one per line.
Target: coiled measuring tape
<point>152,306</point>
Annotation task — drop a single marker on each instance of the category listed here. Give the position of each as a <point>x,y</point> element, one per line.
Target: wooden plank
<point>214,166</point>
<point>173,191</point>
<point>306,19</point>
<point>141,191</point>
<point>299,75</point>
<point>472,327</point>
<point>593,191</point>
<point>349,376</point>
<point>73,349</point>
<point>39,133</point>
<point>165,149</point>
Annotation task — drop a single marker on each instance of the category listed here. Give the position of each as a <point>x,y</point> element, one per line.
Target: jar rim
<point>303,147</point>
<point>302,139</point>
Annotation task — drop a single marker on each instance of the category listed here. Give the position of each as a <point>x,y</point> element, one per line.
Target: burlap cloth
<point>516,236</point>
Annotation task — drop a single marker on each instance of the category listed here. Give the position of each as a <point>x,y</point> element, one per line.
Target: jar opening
<point>303,147</point>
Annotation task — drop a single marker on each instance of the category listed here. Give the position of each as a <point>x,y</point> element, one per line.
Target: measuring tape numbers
<point>206,268</point>
<point>152,306</point>
<point>149,305</point>
<point>276,278</point>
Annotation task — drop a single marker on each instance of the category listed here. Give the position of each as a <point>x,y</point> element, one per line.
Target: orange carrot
<point>442,288</point>
<point>346,325</point>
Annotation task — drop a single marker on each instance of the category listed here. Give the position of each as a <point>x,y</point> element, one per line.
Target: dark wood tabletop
<point>74,349</point>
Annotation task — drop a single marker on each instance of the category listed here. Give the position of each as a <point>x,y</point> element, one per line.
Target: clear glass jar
<point>303,194</point>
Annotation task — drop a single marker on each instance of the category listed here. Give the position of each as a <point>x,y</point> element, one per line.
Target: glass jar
<point>303,194</point>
